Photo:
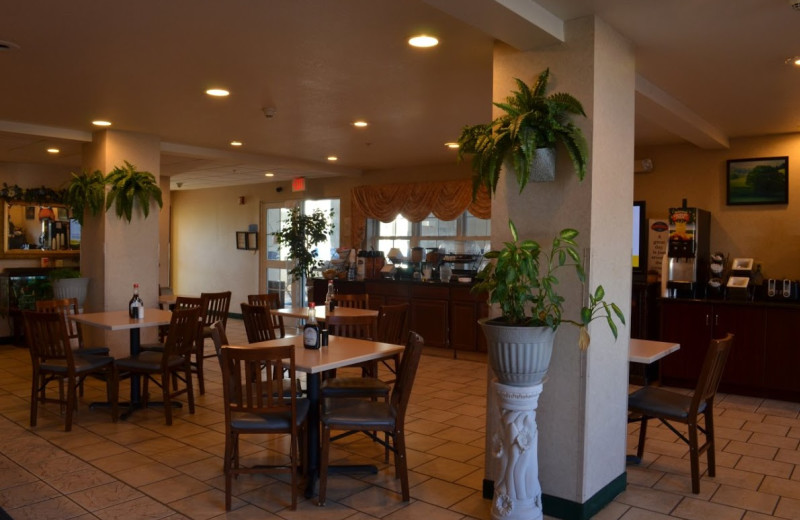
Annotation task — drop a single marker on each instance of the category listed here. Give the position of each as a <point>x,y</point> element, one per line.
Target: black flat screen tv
<point>639,249</point>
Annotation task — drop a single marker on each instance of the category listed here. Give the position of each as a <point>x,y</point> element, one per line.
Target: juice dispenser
<point>688,252</point>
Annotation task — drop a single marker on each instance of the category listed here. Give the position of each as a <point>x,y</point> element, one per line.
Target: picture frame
<point>760,180</point>
<point>30,213</point>
<point>252,240</point>
<point>241,240</point>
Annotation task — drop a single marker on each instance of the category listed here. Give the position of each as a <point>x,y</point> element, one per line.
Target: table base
<point>132,407</point>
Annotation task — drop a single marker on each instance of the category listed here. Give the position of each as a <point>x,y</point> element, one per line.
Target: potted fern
<point>525,136</point>
<point>129,188</point>
<point>85,192</point>
<point>523,281</point>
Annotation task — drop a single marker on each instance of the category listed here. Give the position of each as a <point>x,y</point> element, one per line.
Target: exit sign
<point>299,184</point>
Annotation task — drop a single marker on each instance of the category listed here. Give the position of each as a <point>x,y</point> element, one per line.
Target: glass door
<point>274,273</point>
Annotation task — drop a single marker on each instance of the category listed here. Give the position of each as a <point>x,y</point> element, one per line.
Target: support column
<point>116,254</point>
<point>582,411</point>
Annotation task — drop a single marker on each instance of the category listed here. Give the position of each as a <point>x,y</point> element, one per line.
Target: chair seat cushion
<point>152,347</point>
<point>354,387</point>
<point>656,401</point>
<point>269,422</point>
<point>91,351</point>
<point>358,414</point>
<point>147,361</point>
<point>82,364</point>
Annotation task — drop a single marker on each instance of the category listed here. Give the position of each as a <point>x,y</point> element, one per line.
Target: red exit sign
<point>299,184</point>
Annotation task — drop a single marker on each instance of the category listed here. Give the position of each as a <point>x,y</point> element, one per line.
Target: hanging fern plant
<point>131,187</point>
<point>86,191</point>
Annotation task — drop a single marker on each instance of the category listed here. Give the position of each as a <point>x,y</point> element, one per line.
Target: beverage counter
<point>765,357</point>
<point>445,314</point>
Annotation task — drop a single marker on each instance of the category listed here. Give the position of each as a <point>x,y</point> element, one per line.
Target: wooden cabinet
<point>764,359</point>
<point>445,314</point>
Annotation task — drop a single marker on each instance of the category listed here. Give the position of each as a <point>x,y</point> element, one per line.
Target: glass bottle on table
<point>136,305</point>
<point>311,329</point>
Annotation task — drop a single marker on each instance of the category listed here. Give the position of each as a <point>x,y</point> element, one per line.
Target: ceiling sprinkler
<point>269,112</point>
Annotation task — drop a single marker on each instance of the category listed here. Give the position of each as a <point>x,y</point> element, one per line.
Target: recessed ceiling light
<point>360,124</point>
<point>794,60</point>
<point>236,143</point>
<point>53,150</point>
<point>6,45</point>
<point>100,122</point>
<point>451,145</point>
<point>269,174</point>
<point>423,40</point>
<point>333,158</point>
<point>217,92</point>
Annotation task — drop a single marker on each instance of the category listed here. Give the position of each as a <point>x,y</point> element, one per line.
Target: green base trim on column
<point>568,510</point>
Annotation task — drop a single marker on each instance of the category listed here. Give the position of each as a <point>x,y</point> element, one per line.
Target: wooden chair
<point>257,323</point>
<point>392,328</point>
<point>181,302</point>
<point>355,301</point>
<point>52,359</point>
<point>175,360</point>
<point>215,307</point>
<point>67,307</point>
<point>654,402</point>
<point>255,403</point>
<point>369,417</point>
<point>273,301</point>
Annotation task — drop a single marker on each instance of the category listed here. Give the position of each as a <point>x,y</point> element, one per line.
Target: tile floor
<point>141,468</point>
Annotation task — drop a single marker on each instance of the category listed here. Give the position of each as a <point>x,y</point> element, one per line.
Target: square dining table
<point>340,352</point>
<point>321,312</point>
<point>121,320</point>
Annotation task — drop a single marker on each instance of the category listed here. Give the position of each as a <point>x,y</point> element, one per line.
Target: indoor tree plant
<point>300,233</point>
<point>531,125</point>
<point>131,187</point>
<point>523,281</point>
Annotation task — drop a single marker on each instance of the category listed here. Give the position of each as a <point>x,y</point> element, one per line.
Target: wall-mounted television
<point>639,249</point>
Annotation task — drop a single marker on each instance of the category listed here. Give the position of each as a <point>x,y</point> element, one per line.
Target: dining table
<point>645,355</point>
<point>321,312</point>
<point>340,352</point>
<point>121,320</point>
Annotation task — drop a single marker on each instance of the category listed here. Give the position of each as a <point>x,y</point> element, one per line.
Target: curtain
<point>446,200</point>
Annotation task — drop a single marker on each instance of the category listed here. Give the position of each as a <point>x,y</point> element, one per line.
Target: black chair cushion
<point>354,387</point>
<point>147,361</point>
<point>279,422</point>
<point>91,351</point>
<point>358,414</point>
<point>82,364</point>
<point>662,402</point>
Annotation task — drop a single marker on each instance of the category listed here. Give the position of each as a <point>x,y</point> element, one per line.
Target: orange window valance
<point>446,200</point>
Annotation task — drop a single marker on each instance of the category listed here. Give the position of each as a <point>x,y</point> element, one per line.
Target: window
<point>466,234</point>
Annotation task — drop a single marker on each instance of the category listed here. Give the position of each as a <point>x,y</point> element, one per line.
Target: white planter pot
<point>543,166</point>
<point>519,356</point>
<point>71,288</point>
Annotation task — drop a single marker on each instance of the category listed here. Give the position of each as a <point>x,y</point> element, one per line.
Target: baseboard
<point>561,508</point>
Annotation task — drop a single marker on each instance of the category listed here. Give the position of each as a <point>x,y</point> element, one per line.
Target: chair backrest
<point>219,338</point>
<point>392,323</point>
<point>406,372</point>
<point>252,380</point>
<point>47,338</point>
<point>273,301</point>
<point>185,302</point>
<point>215,307</point>
<point>360,327</point>
<point>711,373</point>
<point>182,333</point>
<point>257,323</point>
<point>355,301</point>
<point>65,307</point>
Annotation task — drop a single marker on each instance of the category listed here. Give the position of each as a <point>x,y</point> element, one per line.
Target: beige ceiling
<point>708,71</point>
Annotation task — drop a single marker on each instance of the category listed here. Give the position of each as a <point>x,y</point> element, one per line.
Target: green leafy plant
<point>523,281</point>
<point>86,191</point>
<point>531,120</point>
<point>131,187</point>
<point>300,233</point>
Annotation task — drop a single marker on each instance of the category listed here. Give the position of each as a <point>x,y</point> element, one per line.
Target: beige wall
<point>768,233</point>
<point>205,222</point>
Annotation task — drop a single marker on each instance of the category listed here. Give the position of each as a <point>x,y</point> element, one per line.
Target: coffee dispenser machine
<point>688,252</point>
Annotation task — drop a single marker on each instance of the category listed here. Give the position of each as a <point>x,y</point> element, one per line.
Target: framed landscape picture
<point>763,180</point>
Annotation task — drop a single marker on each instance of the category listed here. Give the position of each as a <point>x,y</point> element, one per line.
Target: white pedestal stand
<point>517,494</point>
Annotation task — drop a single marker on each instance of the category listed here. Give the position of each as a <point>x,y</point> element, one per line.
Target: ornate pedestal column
<point>517,494</point>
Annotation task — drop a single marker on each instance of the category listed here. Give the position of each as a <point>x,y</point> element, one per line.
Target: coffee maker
<point>688,252</point>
